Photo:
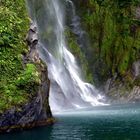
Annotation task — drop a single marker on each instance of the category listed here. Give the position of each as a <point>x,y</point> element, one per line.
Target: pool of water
<point>118,122</point>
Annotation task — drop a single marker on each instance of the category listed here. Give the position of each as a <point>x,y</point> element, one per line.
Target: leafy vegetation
<point>17,84</point>
<point>114,31</point>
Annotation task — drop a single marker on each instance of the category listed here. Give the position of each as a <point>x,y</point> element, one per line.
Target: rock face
<point>138,13</point>
<point>136,69</point>
<point>123,95</point>
<point>37,112</point>
<point>113,55</point>
<point>134,95</point>
<point>123,91</point>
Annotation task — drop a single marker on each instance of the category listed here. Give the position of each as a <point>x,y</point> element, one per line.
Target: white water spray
<point>67,89</point>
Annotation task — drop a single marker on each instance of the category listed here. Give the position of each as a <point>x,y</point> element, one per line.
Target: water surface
<point>118,122</point>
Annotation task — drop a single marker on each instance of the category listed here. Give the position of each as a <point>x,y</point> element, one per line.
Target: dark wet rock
<point>32,41</point>
<point>32,37</point>
<point>37,112</point>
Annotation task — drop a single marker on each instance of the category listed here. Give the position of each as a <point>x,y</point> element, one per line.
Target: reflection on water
<point>100,123</point>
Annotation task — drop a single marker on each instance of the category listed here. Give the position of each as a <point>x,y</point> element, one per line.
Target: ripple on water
<point>101,123</point>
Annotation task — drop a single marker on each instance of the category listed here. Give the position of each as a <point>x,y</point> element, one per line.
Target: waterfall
<point>67,90</point>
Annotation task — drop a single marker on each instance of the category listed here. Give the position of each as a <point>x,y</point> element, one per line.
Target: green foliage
<point>17,91</point>
<point>114,32</point>
<point>16,83</point>
<point>13,22</point>
<point>29,79</point>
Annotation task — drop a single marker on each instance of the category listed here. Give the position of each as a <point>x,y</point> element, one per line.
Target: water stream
<point>68,90</point>
<point>71,98</point>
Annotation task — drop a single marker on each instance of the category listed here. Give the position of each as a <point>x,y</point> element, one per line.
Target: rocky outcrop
<point>113,55</point>
<point>134,95</point>
<point>136,69</point>
<point>37,112</point>
<point>123,95</point>
<point>122,90</point>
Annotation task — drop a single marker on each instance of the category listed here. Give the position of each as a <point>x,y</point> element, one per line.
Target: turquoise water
<point>119,122</point>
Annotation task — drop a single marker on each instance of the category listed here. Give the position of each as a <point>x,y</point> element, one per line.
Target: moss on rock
<point>17,83</point>
<point>114,31</point>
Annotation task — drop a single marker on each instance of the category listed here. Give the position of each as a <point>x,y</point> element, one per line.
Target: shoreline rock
<point>37,112</point>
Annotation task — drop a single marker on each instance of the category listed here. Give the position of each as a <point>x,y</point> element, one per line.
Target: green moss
<point>114,33</point>
<point>19,90</point>
<point>30,75</point>
<point>17,84</point>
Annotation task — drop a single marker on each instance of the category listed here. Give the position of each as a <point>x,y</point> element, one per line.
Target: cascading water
<point>67,89</point>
